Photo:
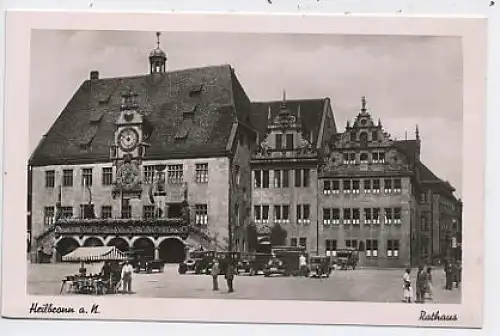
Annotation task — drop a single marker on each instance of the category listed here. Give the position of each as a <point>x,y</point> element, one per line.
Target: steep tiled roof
<point>311,112</point>
<point>85,129</point>
<point>409,147</point>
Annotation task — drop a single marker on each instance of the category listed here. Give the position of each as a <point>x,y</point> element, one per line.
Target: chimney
<point>94,74</point>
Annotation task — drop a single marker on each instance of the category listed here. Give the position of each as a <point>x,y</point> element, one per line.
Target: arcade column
<point>53,258</point>
<point>157,253</point>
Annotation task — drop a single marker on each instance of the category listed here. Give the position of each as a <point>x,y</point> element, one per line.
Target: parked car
<point>197,262</point>
<point>347,257</point>
<point>319,266</point>
<point>284,262</point>
<point>253,263</point>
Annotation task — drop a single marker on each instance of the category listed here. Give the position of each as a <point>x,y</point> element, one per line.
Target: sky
<point>406,80</point>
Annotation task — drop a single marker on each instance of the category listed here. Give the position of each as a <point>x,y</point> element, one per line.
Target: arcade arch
<point>120,243</point>
<point>172,250</point>
<point>93,241</point>
<point>144,246</point>
<point>65,246</point>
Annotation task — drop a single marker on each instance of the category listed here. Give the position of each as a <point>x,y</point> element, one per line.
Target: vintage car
<point>253,263</point>
<point>284,261</point>
<point>319,266</point>
<point>198,262</point>
<point>148,265</point>
<point>224,257</point>
<point>347,257</point>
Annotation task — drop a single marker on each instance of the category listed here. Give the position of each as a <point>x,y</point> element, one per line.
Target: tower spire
<point>157,58</point>
<point>363,104</point>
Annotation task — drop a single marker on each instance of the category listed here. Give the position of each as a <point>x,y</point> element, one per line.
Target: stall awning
<point>97,253</point>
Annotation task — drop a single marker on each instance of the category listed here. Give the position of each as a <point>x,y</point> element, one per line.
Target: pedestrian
<point>229,274</point>
<point>459,273</point>
<point>127,271</point>
<point>421,284</point>
<point>429,283</point>
<point>407,290</point>
<point>215,275</point>
<point>303,265</point>
<point>449,275</point>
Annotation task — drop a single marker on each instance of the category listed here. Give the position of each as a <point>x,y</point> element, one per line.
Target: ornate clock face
<point>128,176</point>
<point>128,138</point>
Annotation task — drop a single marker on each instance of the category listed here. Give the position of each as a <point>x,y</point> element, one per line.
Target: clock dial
<point>128,138</point>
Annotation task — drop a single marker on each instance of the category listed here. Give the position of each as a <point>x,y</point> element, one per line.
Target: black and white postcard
<point>244,168</point>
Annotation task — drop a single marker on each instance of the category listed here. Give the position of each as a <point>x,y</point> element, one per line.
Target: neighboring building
<point>158,163</point>
<point>440,219</point>
<point>285,166</point>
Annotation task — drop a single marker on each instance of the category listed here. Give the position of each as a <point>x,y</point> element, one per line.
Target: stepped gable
<point>311,113</point>
<point>202,103</point>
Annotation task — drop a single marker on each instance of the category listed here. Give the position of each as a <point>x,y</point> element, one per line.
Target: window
<point>261,178</point>
<point>87,177</point>
<point>363,139</point>
<point>303,242</point>
<point>397,186</point>
<point>423,198</point>
<point>289,142</point>
<point>107,176</point>
<point>347,216</point>
<point>175,174</point>
<point>148,212</point>
<point>353,136</point>
<point>303,214</point>
<point>302,178</point>
<point>372,248</point>
<point>261,213</point>
<point>327,216</point>
<point>281,213</point>
<point>376,186</point>
<point>48,215</point>
<point>355,186</point>
<point>378,157</point>
<point>331,187</point>
<point>424,224</point>
<point>286,178</point>
<point>346,184</point>
<point>349,158</point>
<point>293,242</point>
<point>67,178</point>
<point>106,212</point>
<point>454,224</point>
<point>279,141</point>
<point>363,158</point>
<point>393,248</point>
<point>201,214</point>
<point>352,243</point>
<point>67,212</point>
<point>277,178</point>
<point>367,186</point>
<point>355,216</point>
<point>368,215</point>
<point>331,247</point>
<point>236,173</point>
<point>126,209</point>
<point>397,215</point>
<point>375,215</point>
<point>387,186</point>
<point>374,136</point>
<point>388,215</point>
<point>201,172</point>
<point>50,179</point>
<point>149,173</point>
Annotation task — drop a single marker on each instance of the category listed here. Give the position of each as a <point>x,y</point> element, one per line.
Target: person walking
<point>215,274</point>
<point>421,284</point>
<point>230,271</point>
<point>407,290</point>
<point>303,265</point>
<point>429,283</point>
<point>127,271</point>
<point>449,275</point>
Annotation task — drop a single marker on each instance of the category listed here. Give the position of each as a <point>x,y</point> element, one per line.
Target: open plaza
<point>361,284</point>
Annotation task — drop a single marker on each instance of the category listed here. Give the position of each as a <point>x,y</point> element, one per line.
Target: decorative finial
<point>298,113</point>
<point>348,124</point>
<point>363,104</point>
<point>284,96</point>
<point>158,39</point>
<point>379,123</point>
<point>269,112</point>
<point>406,135</point>
<point>417,133</point>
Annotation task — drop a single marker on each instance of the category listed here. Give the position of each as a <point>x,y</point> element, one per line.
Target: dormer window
<point>289,142</point>
<point>279,141</point>
<point>353,136</point>
<point>374,136</point>
<point>363,139</point>
<point>363,158</point>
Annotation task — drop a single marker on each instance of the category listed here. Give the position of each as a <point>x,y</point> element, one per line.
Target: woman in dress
<point>407,290</point>
<point>429,283</point>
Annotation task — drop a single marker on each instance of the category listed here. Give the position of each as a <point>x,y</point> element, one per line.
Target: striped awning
<point>96,253</point>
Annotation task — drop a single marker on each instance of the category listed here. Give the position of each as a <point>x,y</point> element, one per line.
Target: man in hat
<point>127,271</point>
<point>230,271</point>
